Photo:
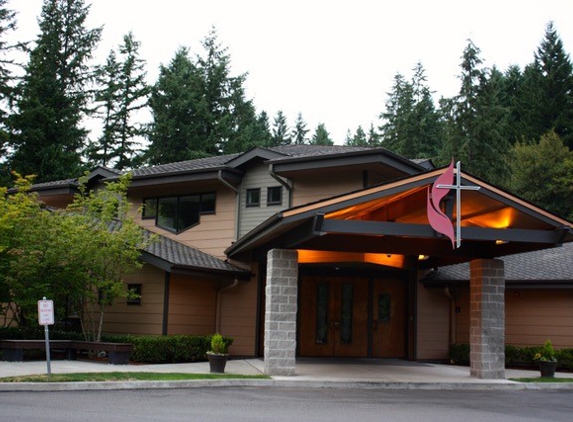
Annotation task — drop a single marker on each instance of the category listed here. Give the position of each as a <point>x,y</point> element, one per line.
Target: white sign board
<point>46,312</point>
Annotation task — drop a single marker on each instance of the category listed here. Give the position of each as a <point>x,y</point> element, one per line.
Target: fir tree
<point>299,132</point>
<point>48,137</point>
<point>321,136</point>
<point>280,130</point>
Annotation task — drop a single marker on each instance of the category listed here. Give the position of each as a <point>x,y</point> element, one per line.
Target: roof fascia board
<point>162,179</point>
<point>518,203</point>
<point>319,162</point>
<point>256,152</point>
<point>363,227</point>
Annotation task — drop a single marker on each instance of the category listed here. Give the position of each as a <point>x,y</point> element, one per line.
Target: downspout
<point>452,315</point>
<point>218,315</point>
<point>237,201</point>
<point>283,182</point>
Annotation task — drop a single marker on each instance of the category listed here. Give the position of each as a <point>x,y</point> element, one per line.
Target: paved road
<point>286,404</point>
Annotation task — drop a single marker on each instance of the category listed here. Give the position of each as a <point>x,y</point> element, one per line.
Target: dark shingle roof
<point>184,166</point>
<point>185,257</point>
<point>555,264</point>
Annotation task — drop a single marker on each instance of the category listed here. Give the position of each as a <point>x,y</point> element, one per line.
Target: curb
<point>365,385</point>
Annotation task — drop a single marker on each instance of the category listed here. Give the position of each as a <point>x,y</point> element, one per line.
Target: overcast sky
<point>333,61</point>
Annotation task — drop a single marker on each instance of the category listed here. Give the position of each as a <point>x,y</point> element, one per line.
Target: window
<point>133,294</point>
<point>253,197</point>
<point>149,208</point>
<point>178,213</point>
<point>274,195</point>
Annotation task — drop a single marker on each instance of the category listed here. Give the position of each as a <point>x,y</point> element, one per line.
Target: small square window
<point>253,197</point>
<point>149,208</point>
<point>274,195</point>
<point>134,294</point>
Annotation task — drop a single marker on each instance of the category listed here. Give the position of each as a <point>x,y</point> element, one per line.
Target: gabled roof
<point>173,256</point>
<point>391,218</point>
<point>283,158</point>
<point>554,265</point>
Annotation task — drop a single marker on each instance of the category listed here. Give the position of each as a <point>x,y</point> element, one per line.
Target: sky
<point>333,61</point>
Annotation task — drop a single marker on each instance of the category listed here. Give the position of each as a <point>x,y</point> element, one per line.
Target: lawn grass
<point>542,379</point>
<point>126,376</point>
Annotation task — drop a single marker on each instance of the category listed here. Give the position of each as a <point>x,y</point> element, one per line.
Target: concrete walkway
<point>310,372</point>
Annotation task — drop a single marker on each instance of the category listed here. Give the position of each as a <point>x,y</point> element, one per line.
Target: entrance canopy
<point>390,220</point>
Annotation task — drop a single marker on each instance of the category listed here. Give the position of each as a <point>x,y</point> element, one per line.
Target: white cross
<point>458,187</point>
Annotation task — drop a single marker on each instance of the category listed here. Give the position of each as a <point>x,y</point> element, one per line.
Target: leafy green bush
<point>146,348</point>
<point>514,356</point>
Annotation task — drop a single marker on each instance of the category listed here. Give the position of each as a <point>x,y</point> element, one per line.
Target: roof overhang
<point>392,219</point>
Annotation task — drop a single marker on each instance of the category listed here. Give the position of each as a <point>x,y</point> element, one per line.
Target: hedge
<point>146,349</point>
<point>514,356</point>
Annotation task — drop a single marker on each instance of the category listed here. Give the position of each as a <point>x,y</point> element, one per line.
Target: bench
<point>118,353</point>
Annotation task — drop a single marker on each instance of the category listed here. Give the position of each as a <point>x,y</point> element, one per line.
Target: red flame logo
<point>438,219</point>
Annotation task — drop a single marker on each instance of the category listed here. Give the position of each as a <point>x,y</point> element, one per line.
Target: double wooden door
<point>351,317</point>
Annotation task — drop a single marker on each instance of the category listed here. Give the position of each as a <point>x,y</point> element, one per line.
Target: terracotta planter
<point>547,369</point>
<point>217,362</point>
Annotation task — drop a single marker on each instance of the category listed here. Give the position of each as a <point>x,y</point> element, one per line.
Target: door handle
<point>337,324</point>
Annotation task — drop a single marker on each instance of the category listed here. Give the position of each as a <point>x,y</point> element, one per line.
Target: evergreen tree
<point>299,132</point>
<point>199,108</point>
<point>411,124</point>
<point>476,133</point>
<point>134,93</point>
<point>321,136</point>
<point>373,137</point>
<point>359,138</point>
<point>176,106</point>
<point>48,137</point>
<point>555,72</point>
<point>280,130</point>
<point>108,97</point>
<point>7,82</point>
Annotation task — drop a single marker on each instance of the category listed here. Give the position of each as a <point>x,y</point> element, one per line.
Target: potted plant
<point>219,353</point>
<point>546,360</point>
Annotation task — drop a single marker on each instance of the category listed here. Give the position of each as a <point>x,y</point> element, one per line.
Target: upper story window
<point>178,213</point>
<point>274,195</point>
<point>253,197</point>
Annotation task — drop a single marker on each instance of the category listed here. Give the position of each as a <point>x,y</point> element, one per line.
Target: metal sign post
<point>45,318</point>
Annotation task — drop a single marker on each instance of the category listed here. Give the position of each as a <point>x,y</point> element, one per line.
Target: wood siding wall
<point>146,318</point>
<point>325,185</point>
<point>433,324</point>
<point>213,234</point>
<point>532,316</point>
<point>258,177</point>
<point>192,305</point>
<point>239,316</point>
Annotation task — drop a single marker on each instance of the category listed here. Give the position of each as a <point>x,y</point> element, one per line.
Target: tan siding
<point>531,317</point>
<point>146,318</point>
<point>192,303</point>
<point>239,316</point>
<point>433,324</point>
<point>258,176</point>
<point>213,234</point>
<point>325,185</point>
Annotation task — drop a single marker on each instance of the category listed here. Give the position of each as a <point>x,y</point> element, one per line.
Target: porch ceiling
<point>392,219</point>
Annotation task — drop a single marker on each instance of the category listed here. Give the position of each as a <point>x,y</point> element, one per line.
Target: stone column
<point>280,312</point>
<point>487,319</point>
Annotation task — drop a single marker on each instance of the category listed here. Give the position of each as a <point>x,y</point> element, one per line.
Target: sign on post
<point>46,312</point>
<point>45,318</point>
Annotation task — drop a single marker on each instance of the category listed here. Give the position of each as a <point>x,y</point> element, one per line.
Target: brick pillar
<point>487,319</point>
<point>280,312</point>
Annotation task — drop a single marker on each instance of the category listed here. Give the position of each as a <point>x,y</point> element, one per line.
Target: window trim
<point>177,208</point>
<point>138,287</point>
<point>252,204</point>
<point>280,200</point>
